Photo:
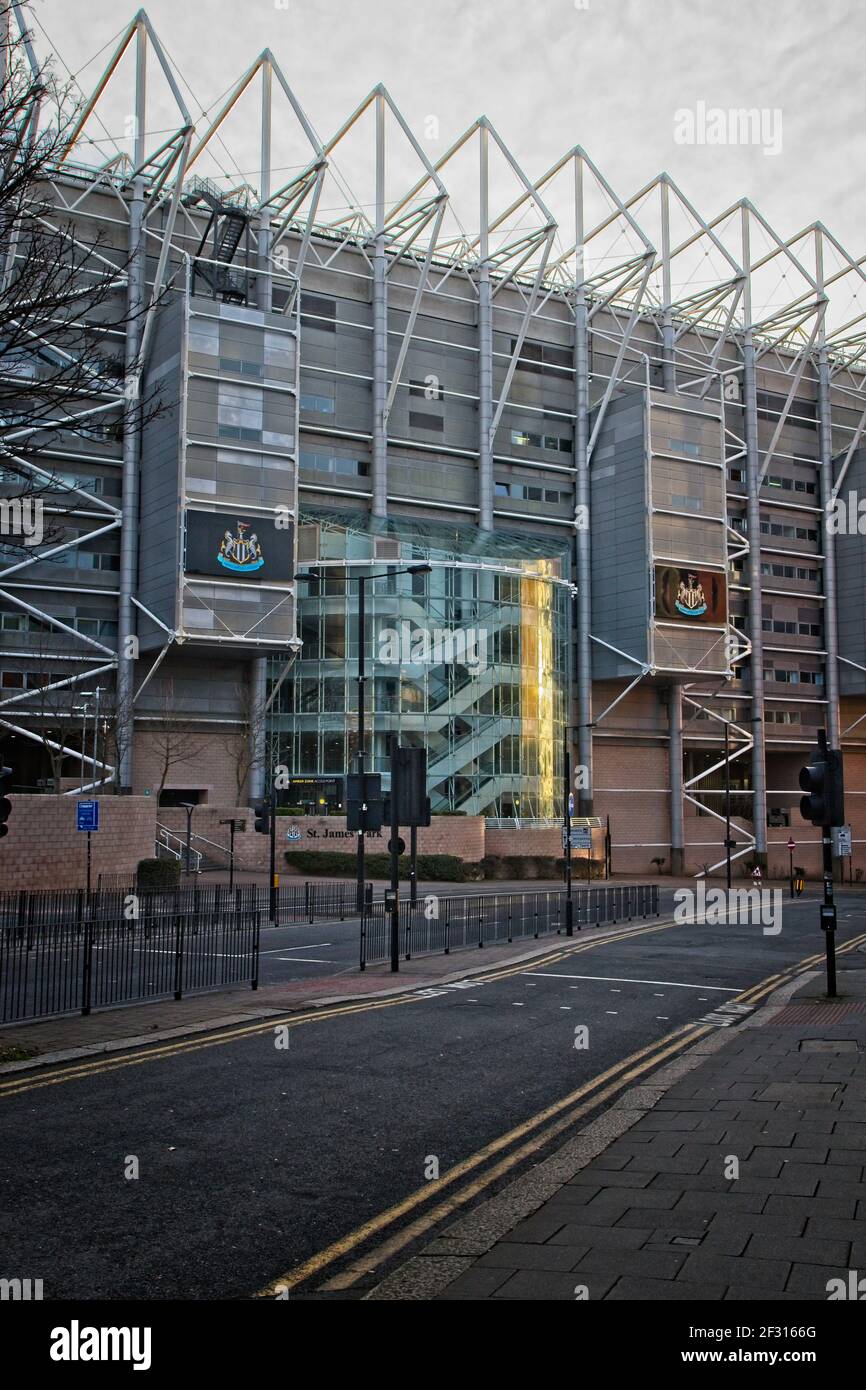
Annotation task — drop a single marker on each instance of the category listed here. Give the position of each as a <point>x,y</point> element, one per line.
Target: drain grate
<point>818,1012</point>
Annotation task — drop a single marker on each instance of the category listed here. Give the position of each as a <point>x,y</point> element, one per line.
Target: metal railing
<point>438,925</point>
<point>330,900</point>
<point>178,849</point>
<point>56,968</point>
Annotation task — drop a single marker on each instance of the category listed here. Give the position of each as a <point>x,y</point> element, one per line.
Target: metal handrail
<point>195,856</point>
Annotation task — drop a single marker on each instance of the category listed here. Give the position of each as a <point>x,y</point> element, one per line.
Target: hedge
<point>446,868</point>
<point>157,873</point>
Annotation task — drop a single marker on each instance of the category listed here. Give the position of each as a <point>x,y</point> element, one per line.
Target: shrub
<point>333,864</point>
<point>157,873</point>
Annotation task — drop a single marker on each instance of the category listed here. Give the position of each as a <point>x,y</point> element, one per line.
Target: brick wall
<point>210,766</point>
<point>630,784</point>
<point>45,850</point>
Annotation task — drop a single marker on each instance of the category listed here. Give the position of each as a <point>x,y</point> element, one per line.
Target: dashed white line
<point>627,980</point>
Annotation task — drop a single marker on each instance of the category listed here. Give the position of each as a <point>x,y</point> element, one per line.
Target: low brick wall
<point>45,850</point>
<point>546,842</point>
<point>462,836</point>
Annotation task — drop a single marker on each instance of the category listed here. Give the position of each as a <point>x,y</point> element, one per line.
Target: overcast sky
<point>611,75</point>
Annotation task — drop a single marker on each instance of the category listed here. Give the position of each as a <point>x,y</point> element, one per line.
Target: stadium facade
<point>615,430</point>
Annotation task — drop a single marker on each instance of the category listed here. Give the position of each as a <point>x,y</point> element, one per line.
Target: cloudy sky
<point>608,74</point>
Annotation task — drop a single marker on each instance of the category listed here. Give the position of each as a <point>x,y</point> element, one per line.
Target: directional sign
<point>581,837</point>
<point>571,803</point>
<point>88,815</point>
<point>792,843</point>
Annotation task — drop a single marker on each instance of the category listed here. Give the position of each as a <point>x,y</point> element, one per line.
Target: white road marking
<point>306,960</point>
<point>674,984</point>
<point>314,946</point>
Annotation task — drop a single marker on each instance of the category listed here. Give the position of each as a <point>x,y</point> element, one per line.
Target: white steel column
<point>825,474</point>
<point>582,500</point>
<point>485,348</point>
<point>126,627</point>
<point>380,326</point>
<point>753,514</point>
<point>259,775</point>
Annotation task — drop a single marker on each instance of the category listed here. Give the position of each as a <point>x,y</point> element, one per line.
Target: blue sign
<point>88,815</point>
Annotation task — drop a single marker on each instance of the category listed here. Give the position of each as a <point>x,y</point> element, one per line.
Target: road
<point>257,1161</point>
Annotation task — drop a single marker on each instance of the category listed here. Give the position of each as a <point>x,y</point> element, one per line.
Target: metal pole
<point>831,630</point>
<point>727,812</point>
<point>189,811</point>
<point>231,855</point>
<point>583,645</point>
<point>88,864</point>
<point>485,348</point>
<point>380,328</point>
<point>83,739</point>
<point>791,872</point>
<point>131,435</point>
<point>675,758</point>
<point>753,514</point>
<point>95,733</point>
<point>362,752</point>
<point>828,914</point>
<point>566,770</point>
<point>395,832</point>
<point>413,865</point>
<point>272,896</point>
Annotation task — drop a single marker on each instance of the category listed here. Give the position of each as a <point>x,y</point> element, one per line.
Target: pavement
<point>736,1174</point>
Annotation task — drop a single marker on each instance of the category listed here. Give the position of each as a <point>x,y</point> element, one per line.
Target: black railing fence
<point>437,925</point>
<point>63,967</point>
<point>295,902</point>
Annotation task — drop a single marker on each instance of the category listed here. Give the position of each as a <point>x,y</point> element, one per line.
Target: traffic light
<point>263,817</point>
<point>5,803</point>
<point>824,803</point>
<point>364,789</point>
<point>414,803</point>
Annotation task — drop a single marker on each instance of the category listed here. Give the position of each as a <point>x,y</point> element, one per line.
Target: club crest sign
<point>690,600</point>
<point>241,554</point>
<point>241,549</point>
<point>690,595</point>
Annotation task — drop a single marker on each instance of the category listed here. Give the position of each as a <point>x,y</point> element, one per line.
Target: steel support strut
<point>127,622</point>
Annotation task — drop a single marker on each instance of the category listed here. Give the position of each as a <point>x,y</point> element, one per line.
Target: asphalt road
<point>253,1158</point>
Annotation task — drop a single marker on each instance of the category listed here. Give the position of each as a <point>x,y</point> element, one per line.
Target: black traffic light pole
<point>828,913</point>
<point>566,768</point>
<point>362,752</point>
<point>395,853</point>
<point>272,896</point>
<point>824,806</point>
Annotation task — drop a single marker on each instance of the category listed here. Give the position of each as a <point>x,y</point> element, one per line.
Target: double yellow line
<point>529,1137</point>
<point>21,1082</point>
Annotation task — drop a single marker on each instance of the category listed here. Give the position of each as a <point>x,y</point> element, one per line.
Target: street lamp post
<point>189,807</point>
<point>315,572</point>
<point>84,711</point>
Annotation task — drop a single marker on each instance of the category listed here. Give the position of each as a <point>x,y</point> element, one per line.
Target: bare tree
<point>62,297</point>
<point>246,746</point>
<point>173,742</point>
